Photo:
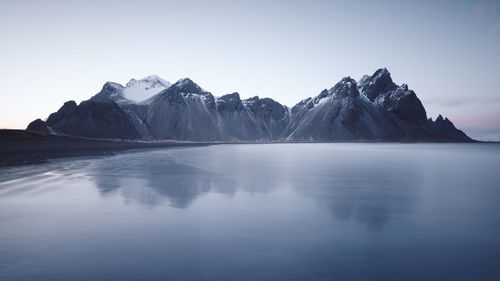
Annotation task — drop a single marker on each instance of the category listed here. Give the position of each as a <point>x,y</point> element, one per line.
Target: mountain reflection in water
<point>334,211</point>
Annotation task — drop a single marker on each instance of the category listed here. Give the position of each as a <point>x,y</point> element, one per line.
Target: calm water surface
<point>257,212</point>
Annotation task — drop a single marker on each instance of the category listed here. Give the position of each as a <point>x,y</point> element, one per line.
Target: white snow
<point>141,90</point>
<point>181,82</point>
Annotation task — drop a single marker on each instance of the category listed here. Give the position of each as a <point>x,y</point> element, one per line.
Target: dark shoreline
<point>19,147</point>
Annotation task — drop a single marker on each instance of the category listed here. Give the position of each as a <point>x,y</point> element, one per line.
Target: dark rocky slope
<point>373,109</point>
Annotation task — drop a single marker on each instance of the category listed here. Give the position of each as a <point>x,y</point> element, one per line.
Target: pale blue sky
<point>447,51</point>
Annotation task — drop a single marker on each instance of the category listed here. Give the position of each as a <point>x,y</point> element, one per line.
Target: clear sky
<point>448,52</point>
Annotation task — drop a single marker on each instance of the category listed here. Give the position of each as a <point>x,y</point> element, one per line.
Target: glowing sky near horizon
<point>446,51</point>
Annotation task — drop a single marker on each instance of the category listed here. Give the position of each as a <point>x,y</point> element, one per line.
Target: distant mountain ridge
<point>372,109</point>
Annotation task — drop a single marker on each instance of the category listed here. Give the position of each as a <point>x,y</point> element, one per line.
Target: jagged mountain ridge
<point>375,108</point>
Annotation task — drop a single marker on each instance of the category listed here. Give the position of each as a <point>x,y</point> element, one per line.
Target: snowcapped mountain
<point>141,90</point>
<point>373,109</point>
<point>135,91</point>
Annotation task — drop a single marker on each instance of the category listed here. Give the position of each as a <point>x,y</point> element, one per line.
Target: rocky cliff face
<point>445,129</point>
<point>340,113</point>
<point>184,111</point>
<point>94,119</point>
<point>38,126</point>
<point>375,108</point>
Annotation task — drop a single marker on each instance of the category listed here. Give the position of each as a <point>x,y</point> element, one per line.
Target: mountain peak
<point>185,111</point>
<point>150,81</point>
<point>184,81</point>
<point>111,91</point>
<point>187,85</point>
<point>153,77</point>
<point>145,88</point>
<point>344,88</point>
<point>111,86</point>
<point>38,126</point>
<point>229,102</point>
<point>379,83</point>
<point>382,71</point>
<point>234,95</point>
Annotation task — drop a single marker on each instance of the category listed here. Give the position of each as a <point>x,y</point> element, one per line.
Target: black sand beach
<point>18,147</point>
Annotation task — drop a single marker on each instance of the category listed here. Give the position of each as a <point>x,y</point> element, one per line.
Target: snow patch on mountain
<point>145,88</point>
<point>373,109</point>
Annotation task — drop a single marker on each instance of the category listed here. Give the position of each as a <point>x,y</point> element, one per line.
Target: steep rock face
<point>381,90</point>
<point>93,118</point>
<point>404,104</point>
<point>379,82</point>
<point>411,117</point>
<point>111,92</point>
<point>340,113</point>
<point>250,119</point>
<point>272,117</point>
<point>137,115</point>
<point>66,111</point>
<point>136,112</point>
<point>235,121</point>
<point>375,108</point>
<point>184,111</point>
<point>38,126</point>
<point>446,129</point>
